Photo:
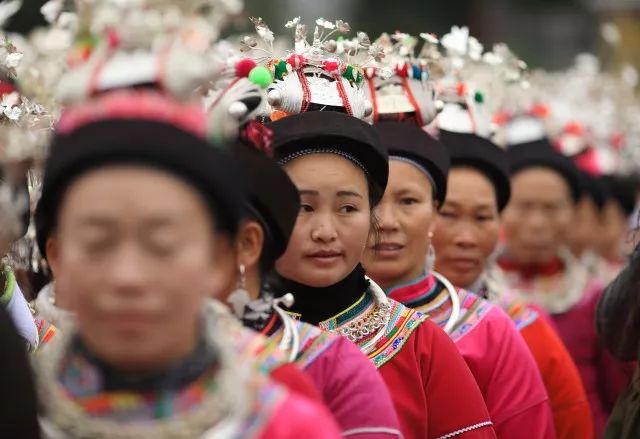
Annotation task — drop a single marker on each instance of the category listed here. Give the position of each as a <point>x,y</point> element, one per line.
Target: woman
<point>484,335</point>
<point>618,325</point>
<point>613,240</point>
<point>534,262</point>
<point>133,201</point>
<point>349,384</point>
<point>467,228</point>
<point>340,170</point>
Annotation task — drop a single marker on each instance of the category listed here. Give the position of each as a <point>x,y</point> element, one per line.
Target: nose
<point>386,218</point>
<point>126,269</point>
<point>537,220</point>
<point>323,228</point>
<point>466,236</point>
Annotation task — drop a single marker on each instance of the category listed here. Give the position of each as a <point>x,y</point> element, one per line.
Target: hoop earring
<point>240,297</point>
<point>431,260</point>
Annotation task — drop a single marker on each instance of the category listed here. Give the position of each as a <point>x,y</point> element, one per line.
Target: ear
<point>250,244</point>
<point>434,218</point>
<point>52,249</point>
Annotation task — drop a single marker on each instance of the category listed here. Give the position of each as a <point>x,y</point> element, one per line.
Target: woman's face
<point>583,234</point>
<point>467,227</point>
<point>612,238</point>
<point>334,221</point>
<point>405,218</point>
<point>134,252</point>
<point>538,217</point>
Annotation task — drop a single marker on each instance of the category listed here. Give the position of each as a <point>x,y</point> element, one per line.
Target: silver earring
<point>239,298</point>
<point>431,260</point>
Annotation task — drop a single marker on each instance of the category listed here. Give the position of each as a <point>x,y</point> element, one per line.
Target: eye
<point>161,249</point>
<point>96,247</point>
<point>448,215</point>
<point>306,208</point>
<point>349,208</point>
<point>408,201</point>
<point>484,218</point>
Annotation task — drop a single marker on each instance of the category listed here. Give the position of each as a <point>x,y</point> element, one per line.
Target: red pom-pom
<point>461,89</point>
<point>574,128</point>
<point>540,110</point>
<point>331,66</point>
<point>296,61</point>
<point>244,66</point>
<point>113,39</point>
<point>402,70</point>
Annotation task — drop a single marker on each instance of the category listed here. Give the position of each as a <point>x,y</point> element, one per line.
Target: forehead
<point>540,183</point>
<point>325,171</point>
<point>130,191</point>
<point>469,185</point>
<point>406,175</point>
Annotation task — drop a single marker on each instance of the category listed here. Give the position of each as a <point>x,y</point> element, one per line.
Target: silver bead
<point>368,108</point>
<point>274,97</point>
<point>287,300</point>
<point>238,110</point>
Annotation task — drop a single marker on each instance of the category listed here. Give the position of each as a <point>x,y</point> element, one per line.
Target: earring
<point>431,260</point>
<point>239,298</point>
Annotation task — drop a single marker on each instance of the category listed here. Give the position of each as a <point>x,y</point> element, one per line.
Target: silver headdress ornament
<point>472,83</point>
<point>123,43</point>
<point>233,100</point>
<point>401,85</point>
<point>325,73</point>
<point>25,126</point>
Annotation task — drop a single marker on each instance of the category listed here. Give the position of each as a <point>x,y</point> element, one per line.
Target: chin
<point>321,279</point>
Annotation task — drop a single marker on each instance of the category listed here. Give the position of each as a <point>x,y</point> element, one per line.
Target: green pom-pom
<point>478,97</point>
<point>281,69</point>
<point>353,75</point>
<point>261,76</point>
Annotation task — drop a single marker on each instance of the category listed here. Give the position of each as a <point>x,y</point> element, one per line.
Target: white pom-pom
<point>274,97</point>
<point>238,110</point>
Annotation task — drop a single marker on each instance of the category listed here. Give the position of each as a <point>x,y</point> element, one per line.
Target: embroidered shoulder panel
<point>313,343</point>
<point>472,310</point>
<point>264,408</point>
<point>401,325</point>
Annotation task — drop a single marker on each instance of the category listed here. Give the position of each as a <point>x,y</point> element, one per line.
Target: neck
<point>408,277</point>
<point>316,304</point>
<point>175,375</point>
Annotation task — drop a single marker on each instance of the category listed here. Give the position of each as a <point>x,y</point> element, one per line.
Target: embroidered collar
<point>229,399</point>
<point>556,293</point>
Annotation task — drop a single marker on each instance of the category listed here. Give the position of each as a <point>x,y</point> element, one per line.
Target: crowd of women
<point>310,233</point>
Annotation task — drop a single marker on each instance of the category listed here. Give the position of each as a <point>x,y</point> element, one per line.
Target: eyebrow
<point>452,203</point>
<point>339,193</point>
<point>348,194</point>
<point>152,223</point>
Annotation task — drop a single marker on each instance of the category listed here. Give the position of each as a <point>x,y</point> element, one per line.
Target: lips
<point>324,257</point>
<point>387,249</point>
<point>463,264</point>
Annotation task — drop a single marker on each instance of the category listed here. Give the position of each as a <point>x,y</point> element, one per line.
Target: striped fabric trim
<point>373,430</point>
<point>313,343</point>
<point>467,429</point>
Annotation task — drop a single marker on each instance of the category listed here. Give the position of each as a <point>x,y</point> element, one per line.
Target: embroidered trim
<point>401,325</point>
<point>368,430</point>
<point>313,343</point>
<point>283,161</point>
<point>467,429</point>
<point>472,310</point>
<point>475,309</point>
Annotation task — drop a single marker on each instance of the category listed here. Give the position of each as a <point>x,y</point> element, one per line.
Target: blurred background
<point>545,33</point>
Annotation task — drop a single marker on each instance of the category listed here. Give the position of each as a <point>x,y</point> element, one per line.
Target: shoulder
<point>403,322</point>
